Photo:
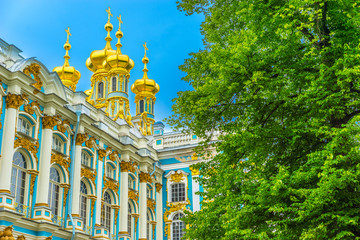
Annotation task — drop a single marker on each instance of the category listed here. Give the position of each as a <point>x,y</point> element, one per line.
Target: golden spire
<point>119,35</point>
<point>145,60</point>
<point>108,28</point>
<point>68,74</point>
<point>67,47</point>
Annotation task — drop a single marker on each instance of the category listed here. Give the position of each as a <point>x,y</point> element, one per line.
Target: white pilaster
<point>124,190</point>
<point>142,205</point>
<point>195,197</point>
<point>99,184</point>
<point>159,213</point>
<point>76,184</point>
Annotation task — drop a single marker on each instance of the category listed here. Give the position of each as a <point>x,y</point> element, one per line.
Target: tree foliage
<point>280,79</point>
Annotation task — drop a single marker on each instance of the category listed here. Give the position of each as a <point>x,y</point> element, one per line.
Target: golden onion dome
<point>68,74</point>
<point>97,57</point>
<point>118,60</point>
<point>145,85</point>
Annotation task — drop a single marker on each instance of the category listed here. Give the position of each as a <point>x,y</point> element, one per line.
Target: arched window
<point>85,159</point>
<point>18,177</point>
<point>110,171</point>
<point>129,221</point>
<point>148,191</point>
<point>131,182</point>
<point>178,192</point>
<point>57,144</point>
<point>126,84</point>
<point>178,227</point>
<point>141,106</point>
<point>24,126</point>
<point>101,90</point>
<point>113,84</point>
<point>106,211</point>
<point>83,202</point>
<point>54,191</point>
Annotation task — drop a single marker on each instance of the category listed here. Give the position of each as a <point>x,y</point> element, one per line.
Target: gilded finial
<point>120,22</point>
<point>119,35</point>
<point>109,14</point>
<point>108,28</point>
<point>145,60</point>
<point>67,47</point>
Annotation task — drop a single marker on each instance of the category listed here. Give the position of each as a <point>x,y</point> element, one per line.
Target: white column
<point>143,205</point>
<point>45,161</point>
<point>77,178</point>
<point>159,213</point>
<point>98,190</point>
<point>7,149</point>
<point>195,197</point>
<point>124,190</point>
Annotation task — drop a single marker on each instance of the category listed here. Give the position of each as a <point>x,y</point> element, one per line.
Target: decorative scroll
<point>49,122</point>
<point>177,177</point>
<point>33,173</point>
<point>151,204</point>
<point>66,190</point>
<point>102,154</point>
<point>14,101</point>
<point>81,138</point>
<point>113,155</point>
<point>145,177</point>
<point>158,187</point>
<point>87,173</point>
<point>28,145</point>
<point>61,160</point>
<point>111,184</point>
<point>93,198</point>
<point>134,195</point>
<point>91,143</point>
<point>34,69</point>
<point>173,207</point>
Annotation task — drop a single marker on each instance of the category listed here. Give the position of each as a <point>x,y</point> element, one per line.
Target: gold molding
<point>145,177</point>
<point>35,70</point>
<point>112,156</point>
<point>49,122</point>
<point>102,154</point>
<point>177,177</point>
<point>66,188</point>
<point>91,142</point>
<point>28,145</point>
<point>61,160</point>
<point>125,166</point>
<point>134,195</point>
<point>151,204</point>
<point>158,187</point>
<point>80,138</point>
<point>34,174</point>
<point>111,184</point>
<point>87,173</point>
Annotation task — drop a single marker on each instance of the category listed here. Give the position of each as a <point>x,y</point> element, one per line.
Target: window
<point>106,211</point>
<point>109,171</point>
<point>18,177</point>
<point>126,84</point>
<point>131,182</point>
<point>148,192</point>
<point>152,107</point>
<point>129,221</point>
<point>83,202</point>
<point>54,191</point>
<point>24,126</point>
<point>141,106</point>
<point>101,90</point>
<point>113,84</point>
<point>178,227</point>
<point>178,192</point>
<point>57,144</point>
<point>85,158</point>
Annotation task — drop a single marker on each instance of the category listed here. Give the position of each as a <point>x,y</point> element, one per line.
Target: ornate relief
<point>66,191</point>
<point>134,195</point>
<point>91,142</point>
<point>136,217</point>
<point>177,177</point>
<point>194,172</point>
<point>125,166</point>
<point>14,101</point>
<point>33,173</point>
<point>145,177</point>
<point>173,207</point>
<point>34,69</point>
<point>116,213</point>
<point>151,204</point>
<point>25,143</point>
<point>61,160</point>
<point>62,126</point>
<point>30,108</point>
<point>87,173</point>
<point>113,155</point>
<point>81,138</point>
<point>102,154</point>
<point>111,184</point>
<point>158,187</point>
<point>93,198</point>
<point>22,237</point>
<point>49,122</point>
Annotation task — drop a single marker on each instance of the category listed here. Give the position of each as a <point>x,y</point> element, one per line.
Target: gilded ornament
<point>112,156</point>
<point>116,214</point>
<point>194,172</point>
<point>7,233</point>
<point>81,138</point>
<point>33,71</point>
<point>33,173</point>
<point>145,177</point>
<point>134,195</point>
<point>66,191</point>
<point>21,237</point>
<point>194,157</point>
<point>151,204</point>
<point>91,143</point>
<point>136,217</point>
<point>177,177</point>
<point>93,198</point>
<point>153,223</point>
<point>25,143</point>
<point>61,160</point>
<point>49,122</point>
<point>158,187</point>
<point>14,101</point>
<point>28,109</point>
<point>102,154</point>
<point>125,166</point>
<point>111,184</point>
<point>87,173</point>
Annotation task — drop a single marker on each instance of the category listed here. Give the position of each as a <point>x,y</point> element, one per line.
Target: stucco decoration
<point>61,160</point>
<point>14,100</point>
<point>25,143</point>
<point>33,71</point>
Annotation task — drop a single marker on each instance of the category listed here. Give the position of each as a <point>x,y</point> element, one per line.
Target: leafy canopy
<point>280,79</point>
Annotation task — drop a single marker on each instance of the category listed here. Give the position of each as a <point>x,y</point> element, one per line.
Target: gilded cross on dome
<point>109,13</point>
<point>68,33</point>
<point>145,47</point>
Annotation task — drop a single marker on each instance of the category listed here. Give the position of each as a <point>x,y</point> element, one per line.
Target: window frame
<point>23,119</point>
<point>20,170</point>
<point>100,90</point>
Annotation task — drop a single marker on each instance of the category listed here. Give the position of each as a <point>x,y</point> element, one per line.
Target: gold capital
<point>14,101</point>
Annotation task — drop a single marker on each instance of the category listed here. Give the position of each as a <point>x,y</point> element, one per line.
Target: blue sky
<point>37,27</point>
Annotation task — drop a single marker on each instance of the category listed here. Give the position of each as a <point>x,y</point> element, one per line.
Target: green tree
<point>280,79</point>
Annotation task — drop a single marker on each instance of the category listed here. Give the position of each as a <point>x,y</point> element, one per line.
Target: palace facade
<point>77,165</point>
